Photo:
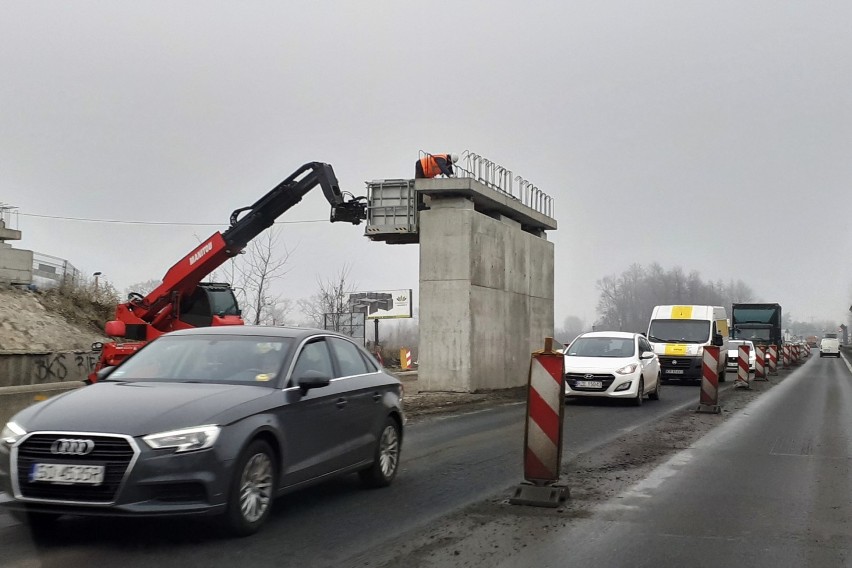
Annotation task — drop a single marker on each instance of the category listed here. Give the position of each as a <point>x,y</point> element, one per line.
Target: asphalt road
<point>448,462</point>
<point>769,488</point>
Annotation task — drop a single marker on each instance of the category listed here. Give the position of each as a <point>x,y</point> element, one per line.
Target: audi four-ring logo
<point>72,447</point>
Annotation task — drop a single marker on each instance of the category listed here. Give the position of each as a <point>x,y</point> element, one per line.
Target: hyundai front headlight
<point>627,369</point>
<point>184,440</point>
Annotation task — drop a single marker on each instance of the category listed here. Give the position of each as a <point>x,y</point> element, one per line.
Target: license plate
<point>67,474</point>
<point>589,384</point>
<point>674,371</point>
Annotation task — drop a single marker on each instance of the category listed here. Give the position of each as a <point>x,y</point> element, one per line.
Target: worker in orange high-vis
<point>432,165</point>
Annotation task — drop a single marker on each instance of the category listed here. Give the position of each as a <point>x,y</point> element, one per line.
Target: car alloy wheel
<point>252,489</point>
<point>386,457</point>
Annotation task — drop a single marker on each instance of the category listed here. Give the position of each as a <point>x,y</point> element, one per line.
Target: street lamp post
<point>96,274</point>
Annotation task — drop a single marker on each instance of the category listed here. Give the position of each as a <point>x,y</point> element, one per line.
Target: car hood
<point>596,364</point>
<point>137,408</point>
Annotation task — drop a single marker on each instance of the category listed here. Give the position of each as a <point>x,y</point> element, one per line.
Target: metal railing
<point>502,179</point>
<point>54,270</point>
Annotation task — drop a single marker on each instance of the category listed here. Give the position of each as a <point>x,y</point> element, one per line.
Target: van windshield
<point>679,331</point>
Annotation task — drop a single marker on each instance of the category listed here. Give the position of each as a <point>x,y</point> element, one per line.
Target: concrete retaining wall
<point>15,399</point>
<point>34,368</point>
<point>30,377</point>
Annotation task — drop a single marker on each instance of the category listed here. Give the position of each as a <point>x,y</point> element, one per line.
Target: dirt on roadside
<point>423,404</point>
<point>488,532</point>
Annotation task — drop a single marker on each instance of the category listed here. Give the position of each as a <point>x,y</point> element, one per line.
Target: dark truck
<point>759,323</point>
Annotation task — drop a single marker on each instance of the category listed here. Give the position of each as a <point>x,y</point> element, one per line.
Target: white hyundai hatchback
<point>612,364</point>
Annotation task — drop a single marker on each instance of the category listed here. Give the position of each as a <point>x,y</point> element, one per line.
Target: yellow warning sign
<point>682,312</point>
<point>675,349</point>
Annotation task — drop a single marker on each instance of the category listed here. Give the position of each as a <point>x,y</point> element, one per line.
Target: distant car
<point>612,364</point>
<point>734,354</point>
<point>215,420</point>
<point>829,347</point>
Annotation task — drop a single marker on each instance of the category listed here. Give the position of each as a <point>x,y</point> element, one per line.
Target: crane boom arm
<point>182,278</point>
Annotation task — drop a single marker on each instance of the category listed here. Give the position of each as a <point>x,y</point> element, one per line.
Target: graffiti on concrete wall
<point>48,367</point>
<point>51,367</point>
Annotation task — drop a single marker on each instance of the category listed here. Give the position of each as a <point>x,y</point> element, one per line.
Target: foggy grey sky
<point>714,136</point>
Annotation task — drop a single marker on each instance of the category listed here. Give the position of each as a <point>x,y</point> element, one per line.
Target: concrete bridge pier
<point>486,286</point>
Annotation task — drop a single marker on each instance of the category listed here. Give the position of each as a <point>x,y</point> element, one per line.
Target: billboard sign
<point>382,304</point>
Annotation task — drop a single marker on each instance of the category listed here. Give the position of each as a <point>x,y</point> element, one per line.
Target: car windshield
<point>234,359</point>
<point>679,331</point>
<point>602,347</point>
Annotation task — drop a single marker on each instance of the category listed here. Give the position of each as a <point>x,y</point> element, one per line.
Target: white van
<point>679,335</point>
<point>829,346</point>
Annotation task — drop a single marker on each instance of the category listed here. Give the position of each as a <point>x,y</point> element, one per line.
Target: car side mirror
<point>718,340</point>
<point>647,355</point>
<point>312,380</point>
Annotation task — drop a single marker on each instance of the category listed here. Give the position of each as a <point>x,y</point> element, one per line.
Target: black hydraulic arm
<point>263,213</point>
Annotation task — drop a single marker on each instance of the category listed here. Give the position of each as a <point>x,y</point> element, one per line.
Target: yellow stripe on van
<point>675,349</point>
<point>682,312</point>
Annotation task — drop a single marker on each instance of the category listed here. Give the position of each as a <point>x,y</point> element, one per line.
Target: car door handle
<point>377,396</point>
<point>341,402</point>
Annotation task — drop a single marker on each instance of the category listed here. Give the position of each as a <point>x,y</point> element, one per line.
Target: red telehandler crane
<point>183,301</point>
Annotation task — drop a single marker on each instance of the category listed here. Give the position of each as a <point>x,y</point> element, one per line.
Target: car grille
<point>678,362</point>
<point>113,452</point>
<point>572,378</point>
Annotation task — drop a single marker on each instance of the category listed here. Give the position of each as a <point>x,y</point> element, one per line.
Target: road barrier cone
<point>709,396</point>
<point>543,431</point>
<point>760,363</point>
<point>786,351</point>
<point>773,359</point>
<point>743,375</point>
<point>405,359</point>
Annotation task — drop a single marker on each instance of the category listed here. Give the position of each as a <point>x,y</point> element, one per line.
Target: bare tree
<point>571,328</point>
<point>626,300</point>
<point>332,297</point>
<point>258,269</point>
<point>144,288</point>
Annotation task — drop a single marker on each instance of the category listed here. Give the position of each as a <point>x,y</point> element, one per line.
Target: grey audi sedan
<point>206,421</point>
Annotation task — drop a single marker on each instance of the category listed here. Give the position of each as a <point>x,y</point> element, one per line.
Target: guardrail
<point>499,178</point>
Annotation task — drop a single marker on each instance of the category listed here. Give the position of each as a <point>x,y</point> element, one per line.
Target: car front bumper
<point>151,483</point>
<point>607,389</point>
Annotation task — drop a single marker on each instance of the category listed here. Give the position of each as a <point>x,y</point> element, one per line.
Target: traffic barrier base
<point>539,495</point>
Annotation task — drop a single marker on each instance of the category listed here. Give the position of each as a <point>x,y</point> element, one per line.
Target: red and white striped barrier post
<point>760,363</point>
<point>543,432</point>
<point>743,374</point>
<point>709,397</point>
<point>786,351</point>
<point>794,356</point>
<point>773,359</point>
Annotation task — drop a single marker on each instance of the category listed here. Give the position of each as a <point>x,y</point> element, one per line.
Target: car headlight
<point>11,433</point>
<point>185,440</point>
<point>627,369</point>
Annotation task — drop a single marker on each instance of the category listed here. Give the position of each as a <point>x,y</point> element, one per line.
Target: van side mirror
<point>718,340</point>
